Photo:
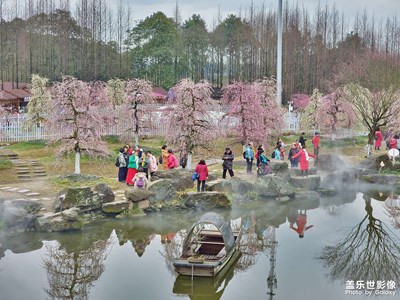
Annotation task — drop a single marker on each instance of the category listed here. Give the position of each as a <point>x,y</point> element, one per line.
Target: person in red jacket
<point>316,141</point>
<point>172,161</point>
<point>304,157</point>
<point>202,171</point>
<point>301,224</point>
<point>393,143</point>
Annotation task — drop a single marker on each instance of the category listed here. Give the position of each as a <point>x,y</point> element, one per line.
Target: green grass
<point>31,145</point>
<point>5,164</point>
<point>86,180</point>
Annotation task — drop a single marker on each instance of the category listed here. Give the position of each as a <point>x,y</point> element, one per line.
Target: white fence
<point>12,128</point>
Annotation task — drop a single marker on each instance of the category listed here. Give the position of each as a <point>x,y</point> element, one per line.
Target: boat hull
<point>206,268</point>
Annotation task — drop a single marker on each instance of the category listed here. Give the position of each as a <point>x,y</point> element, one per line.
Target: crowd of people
<point>392,140</point>
<point>136,167</point>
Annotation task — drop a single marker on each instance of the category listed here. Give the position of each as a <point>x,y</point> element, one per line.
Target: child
<point>140,180</point>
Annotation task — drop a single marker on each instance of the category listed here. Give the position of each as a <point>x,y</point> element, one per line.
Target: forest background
<point>92,41</point>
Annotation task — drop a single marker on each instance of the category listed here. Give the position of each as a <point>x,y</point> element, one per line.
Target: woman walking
<point>202,171</point>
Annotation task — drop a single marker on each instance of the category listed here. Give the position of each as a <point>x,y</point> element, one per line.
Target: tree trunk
<point>136,137</point>
<point>189,161</point>
<point>77,162</point>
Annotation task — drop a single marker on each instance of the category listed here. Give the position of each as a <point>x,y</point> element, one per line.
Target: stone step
<point>39,175</point>
<point>22,168</point>
<point>23,176</point>
<point>23,172</point>
<point>25,179</point>
<point>39,172</point>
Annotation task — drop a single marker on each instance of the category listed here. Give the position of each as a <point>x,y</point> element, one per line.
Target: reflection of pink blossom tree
<point>79,112</point>
<point>190,123</point>
<point>252,110</point>
<point>137,96</point>
<point>335,112</point>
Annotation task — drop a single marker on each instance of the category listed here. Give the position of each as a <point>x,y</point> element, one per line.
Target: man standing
<point>249,157</point>
<point>316,142</point>
<point>302,140</point>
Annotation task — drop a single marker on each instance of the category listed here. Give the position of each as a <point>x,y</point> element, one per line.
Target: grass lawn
<point>104,167</point>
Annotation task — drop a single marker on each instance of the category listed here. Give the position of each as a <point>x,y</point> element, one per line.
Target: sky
<point>208,9</point>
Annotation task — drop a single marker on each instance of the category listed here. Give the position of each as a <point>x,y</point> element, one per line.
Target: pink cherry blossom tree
<point>335,112</point>
<point>137,99</point>
<point>190,122</point>
<point>300,101</point>
<point>79,112</point>
<point>252,111</point>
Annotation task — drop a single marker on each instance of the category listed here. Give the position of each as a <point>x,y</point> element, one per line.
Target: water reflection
<point>301,222</point>
<point>369,251</point>
<point>70,275</point>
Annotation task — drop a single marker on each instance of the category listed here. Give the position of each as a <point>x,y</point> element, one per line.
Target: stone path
<point>22,194</point>
<point>29,169</point>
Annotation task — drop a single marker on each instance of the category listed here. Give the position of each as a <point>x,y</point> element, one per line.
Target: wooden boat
<point>209,247</point>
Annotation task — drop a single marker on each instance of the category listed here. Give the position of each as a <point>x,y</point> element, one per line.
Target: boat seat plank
<point>211,243</point>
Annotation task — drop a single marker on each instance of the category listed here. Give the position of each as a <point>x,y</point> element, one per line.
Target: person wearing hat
<point>227,164</point>
<point>316,142</point>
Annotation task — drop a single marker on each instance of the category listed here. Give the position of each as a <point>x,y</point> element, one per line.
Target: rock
<point>81,197</point>
<point>340,179</point>
<point>240,186</point>
<point>283,199</point>
<point>206,200</point>
<point>381,179</point>
<point>116,207</point>
<point>308,183</point>
<point>280,168</point>
<point>297,172</point>
<point>219,185</point>
<point>182,183</point>
<point>180,178</point>
<point>105,193</point>
<point>63,221</point>
<point>136,195</point>
<point>373,164</point>
<point>329,162</point>
<point>144,204</point>
<point>19,213</point>
<point>327,192</point>
<point>162,191</point>
<point>32,207</point>
<point>273,186</point>
<point>212,177</point>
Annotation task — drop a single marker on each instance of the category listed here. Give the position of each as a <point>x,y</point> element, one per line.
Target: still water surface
<point>354,237</point>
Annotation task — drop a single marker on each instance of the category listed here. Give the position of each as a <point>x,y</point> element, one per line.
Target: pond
<point>350,248</point>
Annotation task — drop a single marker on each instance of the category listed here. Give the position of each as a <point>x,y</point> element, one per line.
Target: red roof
<point>159,90</point>
<point>19,93</point>
<point>8,85</point>
<point>4,96</point>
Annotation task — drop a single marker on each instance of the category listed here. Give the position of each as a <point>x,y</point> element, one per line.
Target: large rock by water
<point>240,186</point>
<point>116,207</point>
<point>63,221</point>
<point>19,213</point>
<point>81,197</point>
<point>219,185</point>
<point>105,192</point>
<point>329,162</point>
<point>179,178</point>
<point>206,200</point>
<point>280,168</point>
<point>162,191</point>
<point>136,195</point>
<point>273,186</point>
<point>311,182</point>
<point>307,199</point>
<point>343,179</point>
<point>382,179</point>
